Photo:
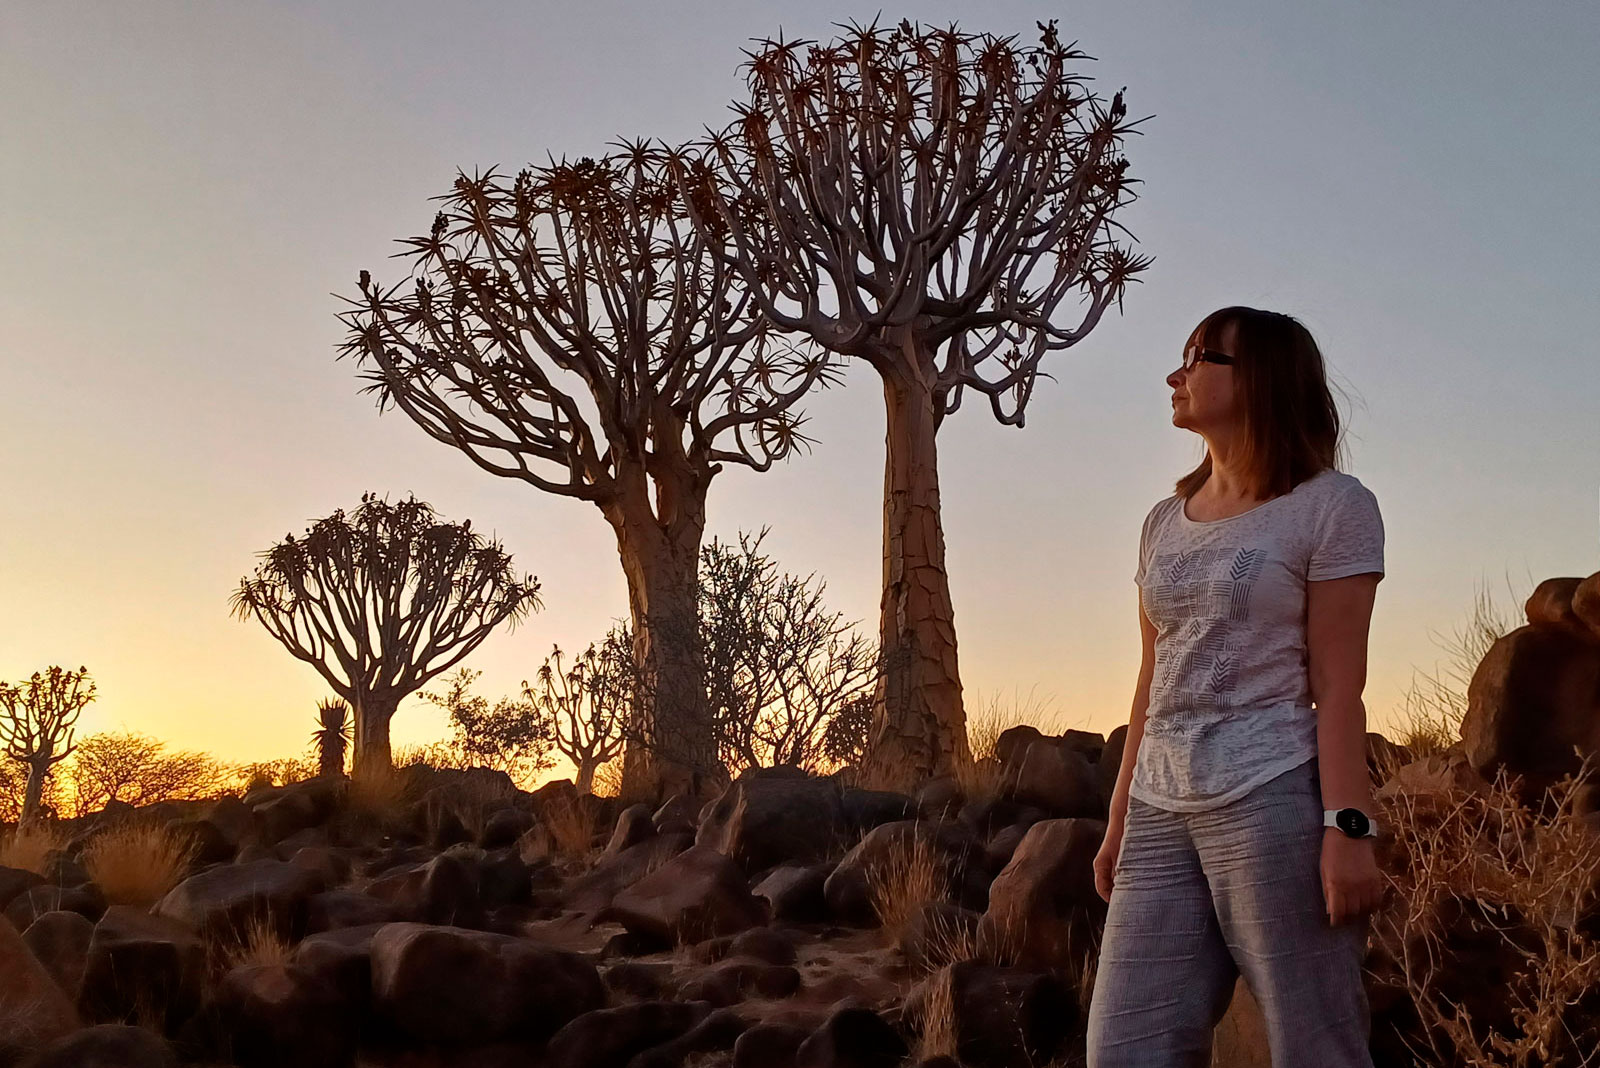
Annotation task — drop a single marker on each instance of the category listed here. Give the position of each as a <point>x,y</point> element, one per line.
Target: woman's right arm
<point>1105,863</point>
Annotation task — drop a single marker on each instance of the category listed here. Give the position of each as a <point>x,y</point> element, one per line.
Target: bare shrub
<point>512,735</point>
<point>137,769</point>
<point>30,845</point>
<point>136,862</point>
<point>280,772</point>
<point>1431,709</point>
<point>1486,872</point>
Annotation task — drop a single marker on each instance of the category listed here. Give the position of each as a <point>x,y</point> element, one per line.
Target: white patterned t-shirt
<point>1230,702</point>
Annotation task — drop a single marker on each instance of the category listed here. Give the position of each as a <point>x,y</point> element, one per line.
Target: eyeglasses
<point>1194,356</point>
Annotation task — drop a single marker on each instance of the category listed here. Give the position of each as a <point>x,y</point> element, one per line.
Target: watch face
<point>1351,821</point>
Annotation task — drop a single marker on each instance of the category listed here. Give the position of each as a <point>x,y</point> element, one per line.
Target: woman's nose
<point>1175,377</point>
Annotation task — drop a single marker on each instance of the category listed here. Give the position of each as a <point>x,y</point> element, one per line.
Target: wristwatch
<point>1352,821</point>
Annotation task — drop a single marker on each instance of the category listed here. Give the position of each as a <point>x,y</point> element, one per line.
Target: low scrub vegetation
<point>137,862</point>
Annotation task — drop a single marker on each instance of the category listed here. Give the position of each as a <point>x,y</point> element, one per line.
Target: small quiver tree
<point>923,200</point>
<point>381,600</point>
<point>570,328</point>
<point>587,703</point>
<point>331,738</point>
<point>38,720</point>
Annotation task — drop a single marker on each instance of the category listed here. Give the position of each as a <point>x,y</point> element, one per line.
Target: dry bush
<point>608,779</point>
<point>1509,884</point>
<point>137,862</point>
<point>912,875</point>
<point>30,846</point>
<point>567,827</point>
<point>981,777</point>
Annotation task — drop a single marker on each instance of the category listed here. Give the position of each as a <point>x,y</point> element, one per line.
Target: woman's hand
<point>1351,882</point>
<point>1105,861</point>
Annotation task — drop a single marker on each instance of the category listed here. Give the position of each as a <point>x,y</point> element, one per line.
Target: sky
<point>185,188</point>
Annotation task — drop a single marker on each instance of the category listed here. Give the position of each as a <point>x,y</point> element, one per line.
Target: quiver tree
<point>380,601</point>
<point>38,720</point>
<point>571,328</point>
<point>587,702</point>
<point>923,200</point>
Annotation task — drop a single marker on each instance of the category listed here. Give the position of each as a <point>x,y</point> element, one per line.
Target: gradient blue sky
<point>183,185</point>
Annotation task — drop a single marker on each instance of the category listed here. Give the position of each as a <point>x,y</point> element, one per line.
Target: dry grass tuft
<point>1431,710</point>
<point>380,794</point>
<point>1482,881</point>
<point>937,1031</point>
<point>981,777</point>
<point>136,863</point>
<point>259,943</point>
<point>29,847</point>
<point>568,828</point>
<point>912,875</point>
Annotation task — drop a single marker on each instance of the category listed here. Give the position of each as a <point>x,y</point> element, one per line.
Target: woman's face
<point>1205,396</point>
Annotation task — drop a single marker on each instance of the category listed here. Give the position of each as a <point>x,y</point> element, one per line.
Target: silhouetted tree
<point>379,602</point>
<point>37,723</point>
<point>587,703</point>
<point>331,738</point>
<point>923,200</point>
<point>571,328</point>
<point>513,736</point>
<point>138,770</point>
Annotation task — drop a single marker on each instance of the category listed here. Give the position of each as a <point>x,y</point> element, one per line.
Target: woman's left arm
<point>1338,616</point>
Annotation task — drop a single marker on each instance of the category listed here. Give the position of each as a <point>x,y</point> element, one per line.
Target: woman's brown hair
<point>1291,425</point>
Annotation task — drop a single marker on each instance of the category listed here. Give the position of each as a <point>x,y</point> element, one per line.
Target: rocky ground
<point>451,919</point>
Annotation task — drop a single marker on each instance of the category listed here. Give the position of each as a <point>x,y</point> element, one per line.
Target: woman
<point>1239,838</point>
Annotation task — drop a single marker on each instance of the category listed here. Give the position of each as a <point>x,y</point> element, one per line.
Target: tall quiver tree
<point>923,200</point>
<point>38,719</point>
<point>380,601</point>
<point>571,328</point>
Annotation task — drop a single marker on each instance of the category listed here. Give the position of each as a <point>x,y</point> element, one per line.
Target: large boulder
<point>768,816</point>
<point>998,1017</point>
<point>1533,706</point>
<point>634,824</point>
<point>342,959</point>
<point>277,1014</point>
<point>38,900</point>
<point>593,892</point>
<point>951,846</point>
<point>141,966</point>
<point>60,940</point>
<point>610,1038</point>
<point>698,894</point>
<point>454,986</point>
<point>226,902</point>
<point>15,881</point>
<point>852,1037</point>
<point>1043,909</point>
<point>1586,603</point>
<point>108,1046</point>
<point>794,892</point>
<point>1054,773</point>
<point>32,1007</point>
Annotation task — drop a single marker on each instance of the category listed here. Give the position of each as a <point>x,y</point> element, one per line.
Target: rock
<point>141,966</point>
<point>768,1045</point>
<point>734,981</point>
<point>223,903</point>
<point>1043,909</point>
<point>939,798</point>
<point>698,894</point>
<point>446,984</point>
<point>939,933</point>
<point>277,1014</point>
<point>989,815</point>
<point>15,881</point>
<point>634,825</point>
<point>330,864</point>
<point>209,842</point>
<point>678,814</point>
<point>1532,701</point>
<point>1384,757</point>
<point>794,893</point>
<point>1051,773</point>
<point>1003,844</point>
<point>763,943</point>
<point>609,1038</point>
<point>1441,775</point>
<point>60,941</point>
<point>63,869</point>
<point>333,909</point>
<point>637,979</point>
<point>849,889</point>
<point>1240,1040</point>
<point>46,897</point>
<point>32,1005</point>
<point>283,810</point>
<point>1586,603</point>
<point>999,1016</point>
<point>633,944</point>
<point>108,1046</point>
<point>342,959</point>
<point>505,826</point>
<point>1110,762</point>
<point>435,818</point>
<point>768,816</point>
<point>1551,603</point>
<point>1090,743</point>
<point>718,1031</point>
<point>593,892</point>
<point>852,1038</point>
<point>866,809</point>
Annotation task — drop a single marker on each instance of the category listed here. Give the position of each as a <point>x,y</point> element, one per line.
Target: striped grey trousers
<point>1202,897</point>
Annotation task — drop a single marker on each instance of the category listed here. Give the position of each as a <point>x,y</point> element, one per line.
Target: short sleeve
<point>1144,544</point>
<point>1349,537</point>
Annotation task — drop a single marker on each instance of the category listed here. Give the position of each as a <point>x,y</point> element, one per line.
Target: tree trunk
<point>33,793</point>
<point>918,726</point>
<point>585,779</point>
<point>372,754</point>
<point>671,743</point>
